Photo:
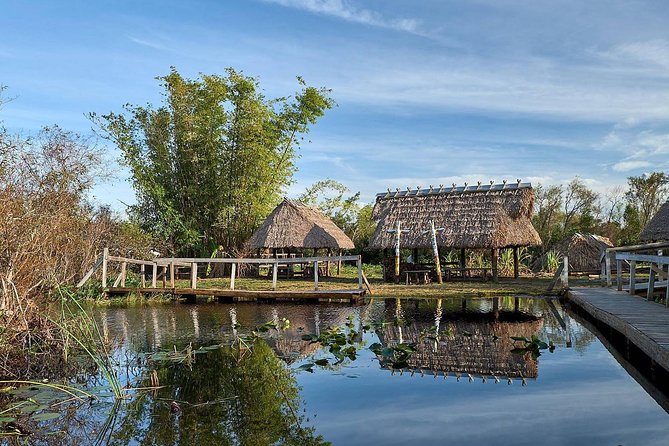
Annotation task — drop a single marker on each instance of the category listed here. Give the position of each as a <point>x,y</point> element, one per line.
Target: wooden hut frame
<point>482,217</point>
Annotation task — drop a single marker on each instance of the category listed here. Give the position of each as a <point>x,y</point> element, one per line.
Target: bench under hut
<point>293,227</point>
<point>584,251</point>
<point>479,217</point>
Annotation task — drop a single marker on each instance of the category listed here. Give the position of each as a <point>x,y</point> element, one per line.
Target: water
<point>464,388</point>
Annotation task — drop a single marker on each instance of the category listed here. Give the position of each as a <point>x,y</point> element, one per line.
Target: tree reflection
<point>231,396</point>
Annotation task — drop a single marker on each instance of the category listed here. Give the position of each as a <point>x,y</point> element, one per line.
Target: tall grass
<point>82,330</point>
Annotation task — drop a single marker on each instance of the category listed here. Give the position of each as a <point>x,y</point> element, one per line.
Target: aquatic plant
<point>533,345</point>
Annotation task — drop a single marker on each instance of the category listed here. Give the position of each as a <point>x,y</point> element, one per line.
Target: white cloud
<point>625,166</point>
<point>344,10</point>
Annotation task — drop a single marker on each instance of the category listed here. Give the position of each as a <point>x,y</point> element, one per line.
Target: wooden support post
<point>494,253</point>
<point>516,270</point>
<point>327,268</point>
<point>316,275</point>
<point>632,277</point>
<point>124,269</point>
<point>142,275</point>
<point>666,295</point>
<point>233,273</point>
<point>435,251</point>
<point>607,267</point>
<point>193,275</point>
<point>414,254</point>
<point>651,283</point>
<point>154,275</point>
<point>619,275</point>
<point>172,273</point>
<point>359,261</point>
<point>338,263</point>
<point>275,273</point>
<point>105,254</point>
<point>564,278</point>
<point>164,276</point>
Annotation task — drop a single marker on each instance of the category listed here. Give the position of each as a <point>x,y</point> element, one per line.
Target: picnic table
<point>419,276</point>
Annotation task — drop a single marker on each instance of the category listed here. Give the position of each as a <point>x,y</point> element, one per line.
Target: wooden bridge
<point>159,276</point>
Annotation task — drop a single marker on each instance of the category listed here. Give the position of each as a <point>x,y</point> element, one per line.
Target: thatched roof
<point>474,217</point>
<point>657,228</point>
<point>584,252</point>
<point>294,225</point>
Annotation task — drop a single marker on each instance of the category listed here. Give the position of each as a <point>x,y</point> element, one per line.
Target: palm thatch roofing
<point>657,229</point>
<point>584,251</point>
<point>294,225</point>
<point>473,217</point>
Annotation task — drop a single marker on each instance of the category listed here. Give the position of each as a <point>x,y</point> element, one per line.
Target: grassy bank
<point>525,286</point>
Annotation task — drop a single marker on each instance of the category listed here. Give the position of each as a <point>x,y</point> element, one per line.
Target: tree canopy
<point>211,161</point>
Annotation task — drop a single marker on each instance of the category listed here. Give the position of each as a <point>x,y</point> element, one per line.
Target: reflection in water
<point>256,396</point>
<point>477,344</point>
<point>230,396</point>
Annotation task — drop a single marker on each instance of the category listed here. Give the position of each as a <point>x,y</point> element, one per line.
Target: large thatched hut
<point>657,228</point>
<point>584,251</point>
<point>292,225</point>
<point>482,217</point>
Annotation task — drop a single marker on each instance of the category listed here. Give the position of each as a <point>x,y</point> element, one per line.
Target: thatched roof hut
<point>584,252</point>
<point>657,229</point>
<point>473,217</point>
<point>294,225</point>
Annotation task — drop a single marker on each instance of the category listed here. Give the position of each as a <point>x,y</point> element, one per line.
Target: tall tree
<point>580,206</point>
<point>646,194</point>
<point>212,160</point>
<point>548,206</point>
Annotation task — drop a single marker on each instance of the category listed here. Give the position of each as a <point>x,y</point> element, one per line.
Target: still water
<point>463,386</point>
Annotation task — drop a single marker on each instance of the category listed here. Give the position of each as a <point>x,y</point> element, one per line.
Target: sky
<point>428,92</point>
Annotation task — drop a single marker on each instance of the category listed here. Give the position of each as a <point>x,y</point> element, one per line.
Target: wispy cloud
<point>148,43</point>
<point>626,166</point>
<point>344,10</point>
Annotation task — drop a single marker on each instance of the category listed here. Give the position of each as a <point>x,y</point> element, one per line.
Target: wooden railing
<point>636,257</point>
<point>170,264</point>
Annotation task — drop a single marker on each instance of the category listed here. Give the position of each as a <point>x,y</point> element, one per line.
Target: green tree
<point>548,205</point>
<point>580,207</point>
<point>330,197</point>
<point>213,159</point>
<point>646,194</point>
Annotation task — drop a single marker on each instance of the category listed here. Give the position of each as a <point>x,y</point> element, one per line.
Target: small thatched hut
<point>490,217</point>
<point>657,229</point>
<point>292,225</point>
<point>584,252</point>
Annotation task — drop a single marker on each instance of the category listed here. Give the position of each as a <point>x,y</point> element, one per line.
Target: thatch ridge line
<point>466,189</point>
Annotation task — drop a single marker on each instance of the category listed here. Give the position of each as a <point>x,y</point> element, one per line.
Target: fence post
<point>193,275</point>
<point>275,273</point>
<point>316,275</point>
<point>154,275</point>
<point>359,261</point>
<point>233,273</point>
<point>632,277</point>
<point>105,254</point>
<point>124,268</point>
<point>564,278</point>
<point>164,276</point>
<point>651,282</point>
<point>142,275</point>
<point>607,266</point>
<point>172,271</point>
<point>619,274</point>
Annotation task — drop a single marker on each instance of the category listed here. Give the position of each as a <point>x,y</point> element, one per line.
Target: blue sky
<point>428,92</point>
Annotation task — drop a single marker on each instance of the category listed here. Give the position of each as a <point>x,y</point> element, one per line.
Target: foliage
<point>532,346</point>
<point>213,159</point>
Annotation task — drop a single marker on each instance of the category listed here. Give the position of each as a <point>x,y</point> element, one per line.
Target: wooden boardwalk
<point>226,295</point>
<point>644,323</point>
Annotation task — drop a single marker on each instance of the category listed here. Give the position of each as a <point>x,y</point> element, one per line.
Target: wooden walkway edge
<point>644,323</point>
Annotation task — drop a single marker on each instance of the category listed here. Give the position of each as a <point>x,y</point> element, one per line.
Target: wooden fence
<point>167,267</point>
<point>648,257</point>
